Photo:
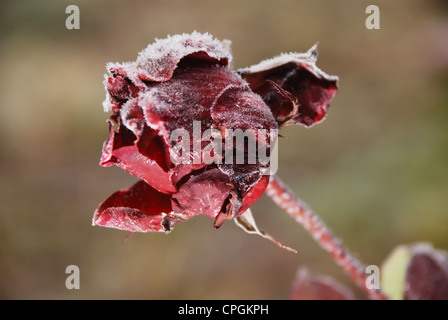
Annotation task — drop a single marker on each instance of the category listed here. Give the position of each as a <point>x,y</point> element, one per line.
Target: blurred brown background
<point>375,170</point>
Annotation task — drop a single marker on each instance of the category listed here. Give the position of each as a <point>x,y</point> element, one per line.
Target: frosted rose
<point>185,80</point>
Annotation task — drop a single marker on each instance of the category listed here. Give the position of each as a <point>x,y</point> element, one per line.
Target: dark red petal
<point>131,115</point>
<point>203,193</point>
<point>119,90</point>
<point>120,149</point>
<point>159,60</point>
<point>427,274</point>
<point>188,96</point>
<point>107,159</point>
<point>248,182</point>
<point>254,193</point>
<point>133,161</point>
<point>295,89</point>
<point>137,209</point>
<point>153,146</point>
<point>316,287</point>
<point>239,108</point>
<point>246,186</point>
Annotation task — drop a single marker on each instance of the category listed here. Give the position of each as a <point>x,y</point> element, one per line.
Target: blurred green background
<point>375,170</point>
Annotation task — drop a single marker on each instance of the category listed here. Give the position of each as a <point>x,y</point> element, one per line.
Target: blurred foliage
<point>375,170</point>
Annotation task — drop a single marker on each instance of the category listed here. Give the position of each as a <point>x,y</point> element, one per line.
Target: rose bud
<point>198,134</point>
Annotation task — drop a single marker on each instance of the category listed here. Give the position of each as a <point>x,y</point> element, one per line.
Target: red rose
<point>173,114</point>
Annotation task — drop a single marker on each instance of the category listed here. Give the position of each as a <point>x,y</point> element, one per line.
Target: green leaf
<point>393,273</point>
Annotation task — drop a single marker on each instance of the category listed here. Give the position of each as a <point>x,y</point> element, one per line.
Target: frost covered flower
<point>181,100</point>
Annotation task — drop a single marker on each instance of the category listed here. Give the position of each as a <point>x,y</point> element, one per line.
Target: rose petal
<point>187,97</point>
<point>119,90</point>
<point>107,159</point>
<point>291,79</point>
<point>427,274</point>
<point>120,149</point>
<point>248,181</point>
<point>254,193</point>
<point>137,164</point>
<point>203,193</point>
<point>139,208</point>
<point>317,287</point>
<point>239,108</point>
<point>159,60</point>
<point>131,115</point>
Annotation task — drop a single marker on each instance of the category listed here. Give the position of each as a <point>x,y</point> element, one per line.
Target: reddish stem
<point>300,212</point>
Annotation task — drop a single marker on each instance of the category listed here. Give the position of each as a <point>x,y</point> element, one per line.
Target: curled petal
<point>119,90</point>
<point>307,286</point>
<point>132,117</point>
<point>248,180</point>
<point>159,60</point>
<point>239,108</point>
<point>139,208</point>
<point>295,89</point>
<point>107,158</point>
<point>204,193</point>
<point>254,193</point>
<point>186,98</point>
<point>427,274</point>
<point>120,149</point>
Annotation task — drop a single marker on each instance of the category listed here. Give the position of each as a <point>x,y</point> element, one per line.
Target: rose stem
<point>300,212</point>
